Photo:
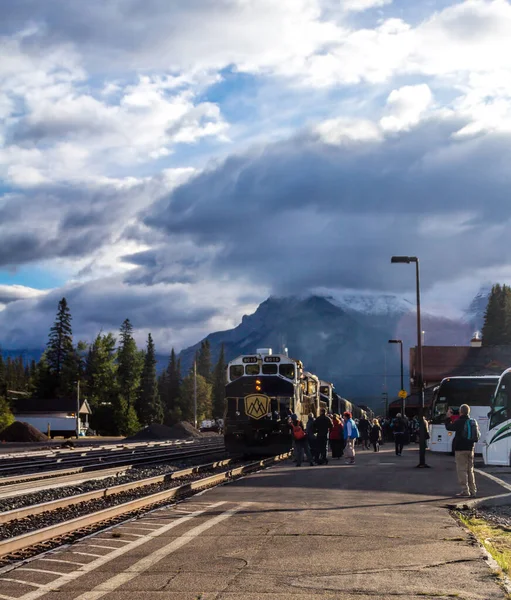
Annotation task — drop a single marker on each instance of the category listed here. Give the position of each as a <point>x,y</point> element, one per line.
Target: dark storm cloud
<point>302,213</point>
<point>70,220</point>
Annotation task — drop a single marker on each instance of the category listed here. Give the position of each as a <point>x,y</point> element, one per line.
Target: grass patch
<point>495,539</point>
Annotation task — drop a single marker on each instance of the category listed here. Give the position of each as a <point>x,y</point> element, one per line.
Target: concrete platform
<point>377,529</point>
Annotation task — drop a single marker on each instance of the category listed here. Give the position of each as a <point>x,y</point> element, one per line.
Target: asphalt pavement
<point>378,529</point>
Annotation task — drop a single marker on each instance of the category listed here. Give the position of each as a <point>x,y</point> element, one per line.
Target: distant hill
<point>342,339</point>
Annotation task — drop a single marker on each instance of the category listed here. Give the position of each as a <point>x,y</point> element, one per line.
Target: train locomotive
<point>262,391</point>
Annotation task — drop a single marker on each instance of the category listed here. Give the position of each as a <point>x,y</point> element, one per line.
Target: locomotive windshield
<point>287,371</point>
<point>270,369</point>
<point>235,372</point>
<point>252,370</point>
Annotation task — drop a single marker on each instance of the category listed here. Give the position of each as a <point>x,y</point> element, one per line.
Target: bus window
<point>235,372</point>
<point>287,371</point>
<point>270,369</point>
<point>252,370</point>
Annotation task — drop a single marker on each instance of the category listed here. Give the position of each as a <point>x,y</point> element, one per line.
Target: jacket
<point>309,428</point>
<point>336,433</point>
<point>399,425</point>
<point>322,425</point>
<point>460,442</point>
<point>375,433</point>
<point>350,430</point>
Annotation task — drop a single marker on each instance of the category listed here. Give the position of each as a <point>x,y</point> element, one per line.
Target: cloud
<point>303,213</point>
<point>177,315</point>
<point>406,106</point>
<point>12,293</point>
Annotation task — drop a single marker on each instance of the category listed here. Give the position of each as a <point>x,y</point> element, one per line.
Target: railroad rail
<point>28,544</point>
<point>110,457</point>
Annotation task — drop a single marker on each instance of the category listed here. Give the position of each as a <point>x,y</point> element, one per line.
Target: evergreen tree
<point>203,358</point>
<point>129,365</point>
<point>186,402</point>
<point>100,381</point>
<point>60,342</point>
<point>172,390</point>
<point>497,320</point>
<point>219,382</point>
<point>3,380</point>
<point>149,407</point>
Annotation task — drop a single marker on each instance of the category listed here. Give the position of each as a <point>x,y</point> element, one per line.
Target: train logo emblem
<point>257,406</point>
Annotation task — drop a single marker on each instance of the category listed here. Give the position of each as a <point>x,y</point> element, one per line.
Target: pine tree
<point>203,358</point>
<point>172,389</point>
<point>495,319</point>
<point>186,402</point>
<point>149,407</point>
<point>219,382</point>
<point>60,348</point>
<point>129,365</point>
<point>3,380</point>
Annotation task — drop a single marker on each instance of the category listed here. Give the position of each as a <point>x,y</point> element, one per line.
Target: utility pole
<point>195,393</point>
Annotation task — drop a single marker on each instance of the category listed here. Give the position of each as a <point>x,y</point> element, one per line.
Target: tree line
<point>497,319</point>
<point>118,379</point>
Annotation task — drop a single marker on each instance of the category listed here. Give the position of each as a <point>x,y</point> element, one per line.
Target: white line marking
<point>114,540</point>
<point>38,585</point>
<point>147,562</point>
<point>69,562</point>
<point>139,535</point>
<point>153,528</point>
<point>99,562</point>
<point>2,597</point>
<point>99,546</point>
<point>39,570</point>
<point>85,553</point>
<point>496,479</point>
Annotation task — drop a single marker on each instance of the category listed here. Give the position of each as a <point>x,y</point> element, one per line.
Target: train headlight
<point>258,385</point>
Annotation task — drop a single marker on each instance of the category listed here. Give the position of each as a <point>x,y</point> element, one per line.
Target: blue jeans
<point>302,446</point>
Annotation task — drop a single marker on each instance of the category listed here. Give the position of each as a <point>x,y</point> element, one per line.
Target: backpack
<point>298,432</point>
<point>471,431</point>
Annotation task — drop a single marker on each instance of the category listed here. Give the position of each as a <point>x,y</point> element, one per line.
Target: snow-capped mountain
<point>474,315</point>
<point>342,338</point>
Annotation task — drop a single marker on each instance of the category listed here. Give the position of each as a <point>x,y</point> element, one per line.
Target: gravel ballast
<point>133,474</point>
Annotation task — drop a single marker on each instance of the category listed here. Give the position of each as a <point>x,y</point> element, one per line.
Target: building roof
<point>36,405</point>
<point>445,361</point>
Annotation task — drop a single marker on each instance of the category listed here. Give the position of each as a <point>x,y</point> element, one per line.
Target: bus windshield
<point>501,405</point>
<point>454,392</point>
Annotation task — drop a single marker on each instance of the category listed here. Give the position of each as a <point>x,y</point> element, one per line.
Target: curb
<point>499,500</point>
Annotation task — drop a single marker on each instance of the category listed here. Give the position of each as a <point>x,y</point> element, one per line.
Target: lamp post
<point>400,342</point>
<point>419,364</point>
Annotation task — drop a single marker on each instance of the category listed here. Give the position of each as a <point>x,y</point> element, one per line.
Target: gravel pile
<point>179,431</point>
<point>22,432</point>
<point>134,474</point>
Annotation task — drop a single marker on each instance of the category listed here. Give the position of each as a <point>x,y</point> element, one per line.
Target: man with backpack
<point>467,434</point>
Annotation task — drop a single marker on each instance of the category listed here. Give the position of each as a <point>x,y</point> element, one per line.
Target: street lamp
<point>400,342</point>
<point>419,363</point>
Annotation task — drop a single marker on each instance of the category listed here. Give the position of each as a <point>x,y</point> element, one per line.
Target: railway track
<point>41,539</point>
<point>10,473</point>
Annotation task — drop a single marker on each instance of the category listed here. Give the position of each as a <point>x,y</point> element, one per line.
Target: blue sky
<point>184,160</point>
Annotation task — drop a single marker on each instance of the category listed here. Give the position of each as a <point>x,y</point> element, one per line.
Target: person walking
<point>375,435</point>
<point>467,434</point>
<point>364,428</point>
<point>399,426</point>
<point>301,443</point>
<point>322,426</point>
<point>351,434</point>
<point>336,437</point>
<point>311,436</point>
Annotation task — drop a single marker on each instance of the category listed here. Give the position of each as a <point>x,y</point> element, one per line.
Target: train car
<point>263,389</point>
<point>341,405</point>
<point>326,394</point>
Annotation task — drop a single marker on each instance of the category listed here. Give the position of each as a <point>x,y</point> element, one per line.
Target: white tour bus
<point>497,446</point>
<point>452,392</point>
